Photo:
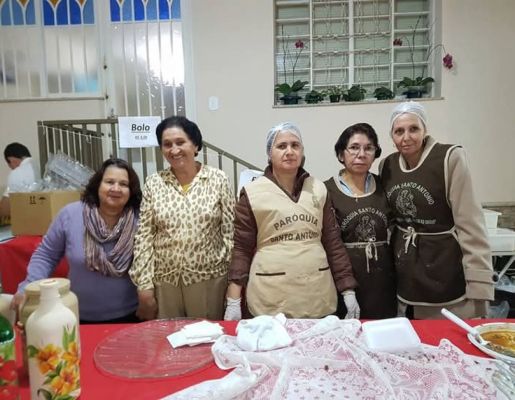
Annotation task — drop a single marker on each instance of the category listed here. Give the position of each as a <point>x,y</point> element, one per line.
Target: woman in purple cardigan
<point>96,236</point>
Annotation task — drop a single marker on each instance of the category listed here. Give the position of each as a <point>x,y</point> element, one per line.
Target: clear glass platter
<point>142,351</point>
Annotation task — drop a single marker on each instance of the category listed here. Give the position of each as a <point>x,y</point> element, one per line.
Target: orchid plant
<point>292,58</point>
<point>416,85</point>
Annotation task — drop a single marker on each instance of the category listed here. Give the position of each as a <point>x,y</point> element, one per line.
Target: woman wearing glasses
<point>442,256</point>
<point>363,215</point>
<point>287,250</point>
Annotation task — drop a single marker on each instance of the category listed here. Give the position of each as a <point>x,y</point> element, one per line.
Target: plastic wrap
<point>61,173</point>
<point>64,173</point>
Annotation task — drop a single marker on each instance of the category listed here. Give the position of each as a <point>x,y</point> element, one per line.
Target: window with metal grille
<point>372,43</point>
<point>128,51</point>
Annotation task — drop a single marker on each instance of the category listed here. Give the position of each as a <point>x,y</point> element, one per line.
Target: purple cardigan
<point>100,297</point>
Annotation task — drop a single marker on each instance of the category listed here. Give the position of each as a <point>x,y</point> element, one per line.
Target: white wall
<point>18,122</point>
<point>233,59</point>
<point>232,55</point>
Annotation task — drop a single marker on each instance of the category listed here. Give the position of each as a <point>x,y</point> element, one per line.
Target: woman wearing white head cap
<point>287,249</point>
<point>441,250</point>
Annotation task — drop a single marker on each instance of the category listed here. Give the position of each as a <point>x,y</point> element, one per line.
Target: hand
<point>349,298</point>
<point>17,303</point>
<point>147,307</point>
<point>233,309</point>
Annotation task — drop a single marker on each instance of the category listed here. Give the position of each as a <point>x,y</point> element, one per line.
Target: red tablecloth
<point>97,386</point>
<point>14,258</point>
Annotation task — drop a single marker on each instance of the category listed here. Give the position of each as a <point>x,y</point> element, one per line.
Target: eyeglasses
<point>354,150</point>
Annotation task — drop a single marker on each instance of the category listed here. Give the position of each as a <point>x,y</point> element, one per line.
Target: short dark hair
<point>189,127</point>
<point>16,150</point>
<point>90,195</point>
<point>363,128</point>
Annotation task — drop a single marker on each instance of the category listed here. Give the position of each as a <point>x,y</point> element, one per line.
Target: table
<point>508,264</point>
<point>14,258</point>
<point>97,386</point>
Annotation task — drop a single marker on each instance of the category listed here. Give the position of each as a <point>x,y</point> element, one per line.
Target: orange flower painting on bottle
<point>59,366</point>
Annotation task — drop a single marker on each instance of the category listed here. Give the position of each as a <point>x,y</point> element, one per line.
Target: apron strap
<point>410,235</point>
<point>370,248</point>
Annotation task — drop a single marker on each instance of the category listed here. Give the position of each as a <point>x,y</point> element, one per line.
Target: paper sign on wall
<point>247,176</point>
<point>138,131</point>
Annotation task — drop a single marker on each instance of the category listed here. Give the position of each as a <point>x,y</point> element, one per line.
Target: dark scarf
<point>119,259</point>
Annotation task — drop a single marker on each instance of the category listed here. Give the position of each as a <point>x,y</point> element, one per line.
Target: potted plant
<point>383,93</point>
<point>417,86</point>
<point>314,97</point>
<point>335,93</point>
<point>355,93</point>
<point>290,92</point>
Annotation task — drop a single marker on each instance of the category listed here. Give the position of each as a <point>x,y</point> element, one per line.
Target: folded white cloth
<point>203,328</point>
<point>262,333</point>
<point>196,333</point>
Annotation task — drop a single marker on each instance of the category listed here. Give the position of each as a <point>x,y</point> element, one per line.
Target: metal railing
<point>91,141</point>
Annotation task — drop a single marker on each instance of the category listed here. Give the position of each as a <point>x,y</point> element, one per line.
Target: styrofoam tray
<point>390,335</point>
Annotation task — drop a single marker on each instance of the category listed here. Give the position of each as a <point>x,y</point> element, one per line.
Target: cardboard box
<point>32,212</point>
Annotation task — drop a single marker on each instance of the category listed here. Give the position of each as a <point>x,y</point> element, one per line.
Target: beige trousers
<point>466,309</point>
<point>199,300</point>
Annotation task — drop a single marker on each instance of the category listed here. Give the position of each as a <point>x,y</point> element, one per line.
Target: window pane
<point>411,5</point>
<point>293,11</point>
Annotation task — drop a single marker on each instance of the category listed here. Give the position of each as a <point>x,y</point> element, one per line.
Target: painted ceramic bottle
<point>53,347</point>
<point>32,293</point>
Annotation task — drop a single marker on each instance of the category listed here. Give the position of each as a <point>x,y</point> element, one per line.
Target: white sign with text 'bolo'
<point>138,131</point>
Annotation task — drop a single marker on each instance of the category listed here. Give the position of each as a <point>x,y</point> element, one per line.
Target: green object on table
<point>8,372</point>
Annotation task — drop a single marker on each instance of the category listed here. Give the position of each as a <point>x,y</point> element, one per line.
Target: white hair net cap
<point>282,127</point>
<point>409,107</point>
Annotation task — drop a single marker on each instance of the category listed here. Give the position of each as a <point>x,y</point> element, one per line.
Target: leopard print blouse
<point>183,235</point>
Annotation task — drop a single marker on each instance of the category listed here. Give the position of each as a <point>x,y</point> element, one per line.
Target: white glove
<point>349,298</point>
<point>233,309</point>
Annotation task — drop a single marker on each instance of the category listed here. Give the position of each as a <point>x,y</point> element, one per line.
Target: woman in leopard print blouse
<point>185,236</point>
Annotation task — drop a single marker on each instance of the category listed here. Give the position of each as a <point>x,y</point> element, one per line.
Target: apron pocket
<point>270,274</point>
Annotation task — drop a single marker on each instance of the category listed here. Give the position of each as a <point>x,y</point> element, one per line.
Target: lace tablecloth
<point>329,360</point>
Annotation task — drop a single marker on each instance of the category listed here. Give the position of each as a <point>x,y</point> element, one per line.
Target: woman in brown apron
<point>441,251</point>
<point>362,213</point>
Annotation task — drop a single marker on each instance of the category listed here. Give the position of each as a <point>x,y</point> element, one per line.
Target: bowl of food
<point>498,340</point>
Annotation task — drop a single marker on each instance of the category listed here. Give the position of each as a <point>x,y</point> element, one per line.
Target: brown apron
<point>363,223</point>
<point>427,254</point>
